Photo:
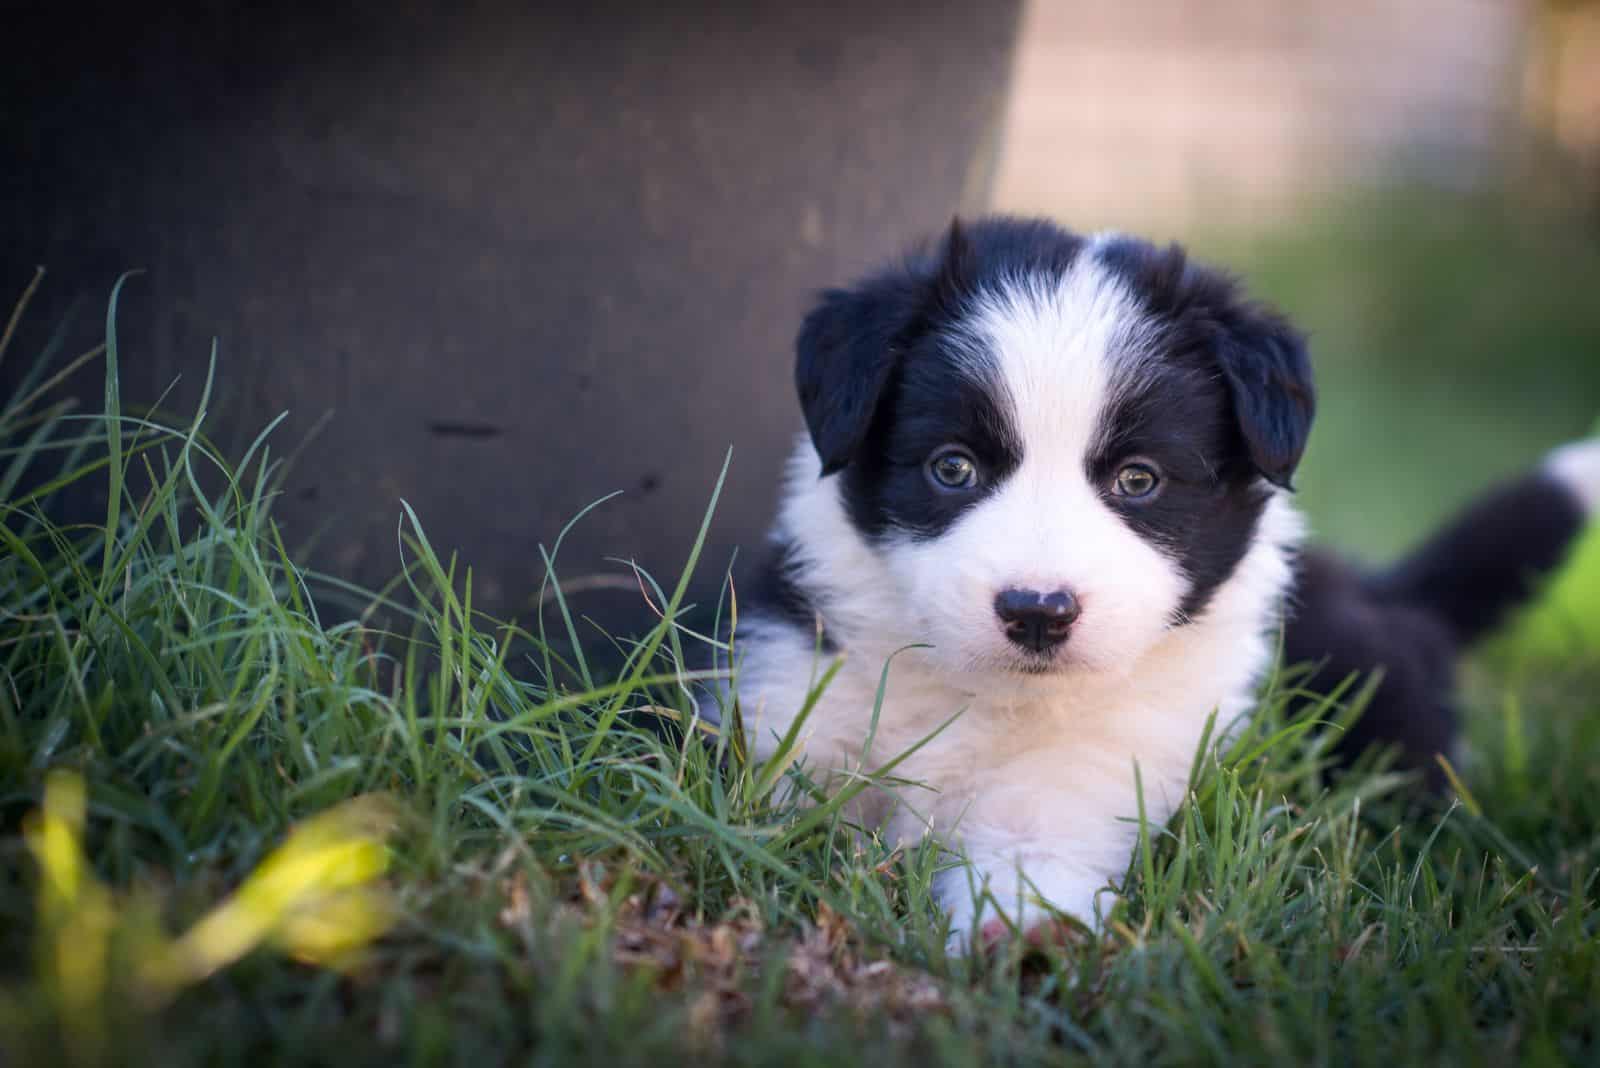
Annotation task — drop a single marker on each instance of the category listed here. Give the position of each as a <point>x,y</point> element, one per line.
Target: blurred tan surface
<point>1170,113</point>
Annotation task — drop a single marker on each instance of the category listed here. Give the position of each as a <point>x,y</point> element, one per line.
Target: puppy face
<point>1057,448</point>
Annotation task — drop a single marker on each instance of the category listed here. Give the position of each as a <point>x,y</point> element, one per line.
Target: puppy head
<point>1058,448</point>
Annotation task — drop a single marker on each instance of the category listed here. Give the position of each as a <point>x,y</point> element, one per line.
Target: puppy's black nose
<point>1034,620</point>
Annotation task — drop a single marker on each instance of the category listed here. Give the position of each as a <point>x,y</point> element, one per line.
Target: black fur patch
<point>931,404</point>
<point>847,349</point>
<point>778,592</point>
<point>1412,619</point>
<point>1210,501</point>
<point>1338,625</point>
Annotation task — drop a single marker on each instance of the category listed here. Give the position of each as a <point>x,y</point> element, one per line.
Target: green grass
<point>570,886</point>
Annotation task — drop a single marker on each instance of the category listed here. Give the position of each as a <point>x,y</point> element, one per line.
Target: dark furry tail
<point>1490,559</point>
<point>1411,620</point>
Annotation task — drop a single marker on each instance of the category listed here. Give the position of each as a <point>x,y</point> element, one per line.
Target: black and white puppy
<point>1048,474</point>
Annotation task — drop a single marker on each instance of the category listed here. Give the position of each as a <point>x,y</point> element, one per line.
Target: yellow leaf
<point>75,911</point>
<point>311,896</point>
<point>52,835</point>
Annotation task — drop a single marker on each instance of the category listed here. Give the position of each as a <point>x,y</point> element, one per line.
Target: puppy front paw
<point>1054,933</point>
<point>982,921</point>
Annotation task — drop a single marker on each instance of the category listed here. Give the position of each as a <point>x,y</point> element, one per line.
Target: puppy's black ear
<point>953,282</point>
<point>851,341</point>
<point>1262,358</point>
<point>1269,376</point>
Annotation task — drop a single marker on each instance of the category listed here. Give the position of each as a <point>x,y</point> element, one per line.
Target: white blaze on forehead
<point>1055,352</point>
<point>1060,351</point>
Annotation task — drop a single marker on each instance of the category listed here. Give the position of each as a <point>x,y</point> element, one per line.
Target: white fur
<point>1035,780</point>
<point>1578,466</point>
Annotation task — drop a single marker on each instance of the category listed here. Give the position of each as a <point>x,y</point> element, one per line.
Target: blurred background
<point>1417,185</point>
<point>511,258</point>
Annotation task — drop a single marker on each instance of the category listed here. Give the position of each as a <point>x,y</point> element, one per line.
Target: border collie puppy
<point>1046,482</point>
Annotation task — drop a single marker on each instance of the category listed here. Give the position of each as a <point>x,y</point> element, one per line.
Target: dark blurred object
<point>525,254</point>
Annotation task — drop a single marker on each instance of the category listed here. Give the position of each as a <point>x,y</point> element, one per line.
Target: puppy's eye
<point>953,469</point>
<point>1136,480</point>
